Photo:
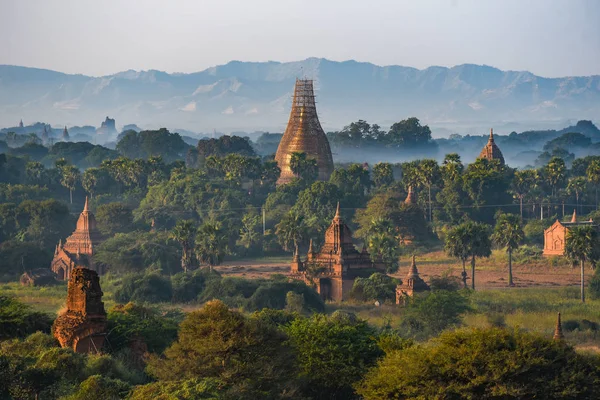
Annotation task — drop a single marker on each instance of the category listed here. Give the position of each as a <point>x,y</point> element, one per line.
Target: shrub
<point>98,387</point>
<point>18,320</point>
<point>445,282</point>
<point>376,287</point>
<point>534,231</point>
<point>130,321</point>
<point>594,284</point>
<point>188,287</point>
<point>232,291</point>
<point>273,295</point>
<point>147,288</point>
<point>294,302</point>
<point>433,312</point>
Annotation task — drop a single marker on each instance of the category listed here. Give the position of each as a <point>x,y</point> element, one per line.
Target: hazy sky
<point>98,37</point>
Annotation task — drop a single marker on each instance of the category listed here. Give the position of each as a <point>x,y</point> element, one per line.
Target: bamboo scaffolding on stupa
<point>304,134</point>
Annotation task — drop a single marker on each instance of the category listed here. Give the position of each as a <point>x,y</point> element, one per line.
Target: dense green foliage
<point>484,364</point>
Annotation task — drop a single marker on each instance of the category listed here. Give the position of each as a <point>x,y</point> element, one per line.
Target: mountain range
<point>257,95</point>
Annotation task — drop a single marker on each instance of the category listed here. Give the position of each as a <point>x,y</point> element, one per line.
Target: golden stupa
<point>304,134</point>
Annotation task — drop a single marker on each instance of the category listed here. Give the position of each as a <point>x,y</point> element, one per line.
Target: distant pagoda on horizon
<point>491,151</point>
<point>304,134</point>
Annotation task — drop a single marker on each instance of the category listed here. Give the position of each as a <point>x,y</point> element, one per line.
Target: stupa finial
<point>558,333</point>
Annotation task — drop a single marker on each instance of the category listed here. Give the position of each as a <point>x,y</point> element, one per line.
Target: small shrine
<point>411,285</point>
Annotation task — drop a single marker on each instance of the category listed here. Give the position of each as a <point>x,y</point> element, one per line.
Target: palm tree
<point>521,184</point>
<point>304,167</point>
<point>457,245</point>
<point>580,246</point>
<point>184,233</point>
<point>211,244</point>
<point>429,173</point>
<point>291,230</point>
<point>469,240</point>
<point>508,233</point>
<point>555,172</point>
<point>576,186</point>
<point>70,177</point>
<point>593,175</point>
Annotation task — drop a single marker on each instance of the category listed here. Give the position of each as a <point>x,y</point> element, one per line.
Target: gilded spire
<point>310,247</point>
<point>574,217</point>
<point>558,333</point>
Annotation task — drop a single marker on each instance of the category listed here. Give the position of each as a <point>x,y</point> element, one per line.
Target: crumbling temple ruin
<point>334,268</point>
<point>83,325</point>
<point>555,235</point>
<point>78,249</point>
<point>411,285</point>
<point>491,151</point>
<point>304,134</point>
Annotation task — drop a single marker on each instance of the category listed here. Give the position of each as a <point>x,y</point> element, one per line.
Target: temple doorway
<point>325,288</point>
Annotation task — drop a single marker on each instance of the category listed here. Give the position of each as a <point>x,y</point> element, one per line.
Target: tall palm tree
<point>211,244</point>
<point>508,233</point>
<point>521,185</point>
<point>469,240</point>
<point>291,230</point>
<point>580,246</point>
<point>184,232</point>
<point>576,186</point>
<point>70,177</point>
<point>429,173</point>
<point>555,171</point>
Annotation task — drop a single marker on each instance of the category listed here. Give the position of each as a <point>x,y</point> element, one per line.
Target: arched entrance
<point>325,288</point>
<point>60,274</point>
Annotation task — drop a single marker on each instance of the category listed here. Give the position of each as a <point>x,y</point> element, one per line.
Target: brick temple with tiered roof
<point>78,249</point>
<point>337,263</point>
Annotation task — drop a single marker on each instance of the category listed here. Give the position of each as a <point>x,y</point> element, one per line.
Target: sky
<point>550,38</point>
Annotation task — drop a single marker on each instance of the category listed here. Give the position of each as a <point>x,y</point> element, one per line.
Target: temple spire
<point>310,247</point>
<point>574,217</point>
<point>337,212</point>
<point>491,134</point>
<point>411,197</point>
<point>85,206</point>
<point>558,333</point>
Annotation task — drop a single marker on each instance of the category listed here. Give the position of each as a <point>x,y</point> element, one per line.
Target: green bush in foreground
<point>333,353</point>
<point>484,364</point>
<point>18,320</point>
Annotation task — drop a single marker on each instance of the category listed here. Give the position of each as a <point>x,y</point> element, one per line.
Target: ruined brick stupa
<point>83,325</point>
<point>304,134</point>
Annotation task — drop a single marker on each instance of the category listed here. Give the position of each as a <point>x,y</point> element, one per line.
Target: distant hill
<point>256,96</point>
